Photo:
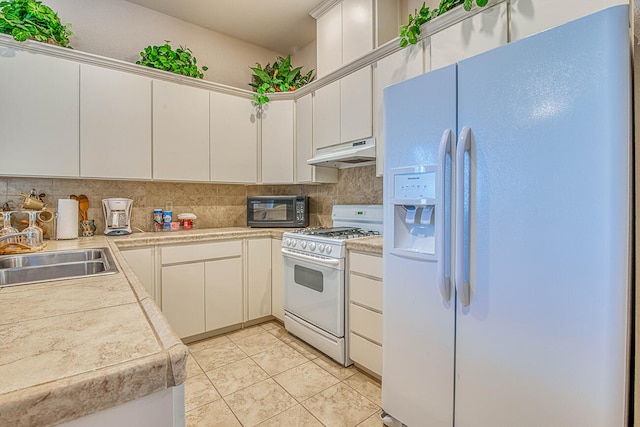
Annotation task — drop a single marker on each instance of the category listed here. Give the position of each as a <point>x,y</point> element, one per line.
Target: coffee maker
<point>117,216</point>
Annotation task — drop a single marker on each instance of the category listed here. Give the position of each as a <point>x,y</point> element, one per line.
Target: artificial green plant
<point>179,61</point>
<point>279,77</point>
<point>409,33</point>
<point>30,19</point>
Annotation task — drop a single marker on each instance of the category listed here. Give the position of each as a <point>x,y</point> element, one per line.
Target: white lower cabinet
<point>142,262</point>
<point>258,278</point>
<point>223,293</point>
<point>365,311</point>
<point>202,286</point>
<point>277,305</point>
<point>183,298</point>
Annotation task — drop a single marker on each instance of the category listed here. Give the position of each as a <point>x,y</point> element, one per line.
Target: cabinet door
<point>304,146</point>
<point>532,16</point>
<point>180,132</point>
<point>142,263</point>
<point>357,29</point>
<point>277,305</point>
<point>356,105</point>
<point>39,125</point>
<point>329,41</point>
<point>234,139</point>
<point>115,124</point>
<point>258,278</point>
<point>481,32</point>
<point>277,143</point>
<point>183,298</point>
<point>400,66</point>
<point>223,293</point>
<point>304,138</point>
<point>326,116</point>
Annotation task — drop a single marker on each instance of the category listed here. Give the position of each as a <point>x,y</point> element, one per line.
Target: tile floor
<point>264,376</point>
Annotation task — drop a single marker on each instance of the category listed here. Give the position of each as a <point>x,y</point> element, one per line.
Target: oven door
<point>314,290</point>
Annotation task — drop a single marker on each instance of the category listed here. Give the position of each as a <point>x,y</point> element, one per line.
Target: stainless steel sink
<point>57,265</point>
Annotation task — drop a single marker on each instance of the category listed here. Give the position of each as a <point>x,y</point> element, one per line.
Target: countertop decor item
<point>30,19</point>
<point>179,61</point>
<point>279,77</point>
<point>409,33</point>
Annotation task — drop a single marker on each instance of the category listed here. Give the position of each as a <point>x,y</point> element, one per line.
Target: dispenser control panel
<point>416,185</point>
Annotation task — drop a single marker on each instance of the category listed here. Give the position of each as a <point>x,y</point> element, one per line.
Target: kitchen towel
<point>67,227</point>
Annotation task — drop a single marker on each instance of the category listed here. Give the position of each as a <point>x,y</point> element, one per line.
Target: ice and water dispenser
<point>416,211</point>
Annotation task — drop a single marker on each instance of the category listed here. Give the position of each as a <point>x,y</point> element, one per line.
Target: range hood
<point>346,155</point>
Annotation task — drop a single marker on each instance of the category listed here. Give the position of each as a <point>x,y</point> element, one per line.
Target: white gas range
<point>315,295</point>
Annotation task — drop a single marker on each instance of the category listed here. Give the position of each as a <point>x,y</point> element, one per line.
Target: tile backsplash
<point>216,205</point>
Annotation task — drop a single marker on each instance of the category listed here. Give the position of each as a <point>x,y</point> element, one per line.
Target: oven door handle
<point>323,261</point>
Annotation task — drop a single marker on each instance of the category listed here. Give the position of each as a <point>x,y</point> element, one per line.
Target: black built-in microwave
<point>277,211</point>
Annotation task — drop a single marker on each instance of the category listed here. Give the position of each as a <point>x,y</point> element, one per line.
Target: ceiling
<point>280,25</point>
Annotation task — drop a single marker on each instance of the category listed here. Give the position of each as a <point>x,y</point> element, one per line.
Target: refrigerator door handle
<point>463,288</point>
<point>444,280</point>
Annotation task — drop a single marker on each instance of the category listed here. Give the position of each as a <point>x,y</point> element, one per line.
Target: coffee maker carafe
<point>117,216</point>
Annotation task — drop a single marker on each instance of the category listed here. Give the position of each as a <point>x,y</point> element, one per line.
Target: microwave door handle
<point>322,261</point>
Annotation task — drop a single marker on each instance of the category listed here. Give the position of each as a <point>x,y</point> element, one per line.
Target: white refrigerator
<point>507,235</point>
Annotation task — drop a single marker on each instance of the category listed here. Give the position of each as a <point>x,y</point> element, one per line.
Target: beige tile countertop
<point>372,245</point>
<point>74,347</point>
<point>70,348</point>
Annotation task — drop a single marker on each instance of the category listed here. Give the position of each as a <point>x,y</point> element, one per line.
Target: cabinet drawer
<point>201,251</point>
<point>365,322</point>
<point>365,353</point>
<point>370,265</point>
<point>365,291</point>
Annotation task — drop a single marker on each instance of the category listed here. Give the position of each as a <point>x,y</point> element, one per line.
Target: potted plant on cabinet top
<point>179,61</point>
<point>409,33</point>
<point>279,77</point>
<point>30,19</point>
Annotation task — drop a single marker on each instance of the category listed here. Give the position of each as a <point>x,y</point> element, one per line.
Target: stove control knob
<point>321,247</point>
<point>303,244</point>
<point>294,242</point>
<point>312,246</point>
<point>328,249</point>
<point>288,242</point>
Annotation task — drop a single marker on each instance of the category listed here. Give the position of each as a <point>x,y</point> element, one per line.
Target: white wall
<point>121,30</point>
<point>306,58</point>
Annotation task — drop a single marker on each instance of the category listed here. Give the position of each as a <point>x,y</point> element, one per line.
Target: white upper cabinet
<point>326,116</point>
<point>400,66</point>
<point>481,32</point>
<point>180,132</point>
<point>234,139</point>
<point>38,114</point>
<point>277,143</point>
<point>357,29</point>
<point>532,16</point>
<point>355,105</point>
<point>115,124</point>
<point>304,145</point>
<point>329,41</point>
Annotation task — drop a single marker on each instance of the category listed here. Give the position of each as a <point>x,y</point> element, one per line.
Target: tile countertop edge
<point>57,401</point>
<point>193,236</point>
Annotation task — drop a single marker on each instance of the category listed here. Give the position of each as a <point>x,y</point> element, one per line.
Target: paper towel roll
<point>67,227</point>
